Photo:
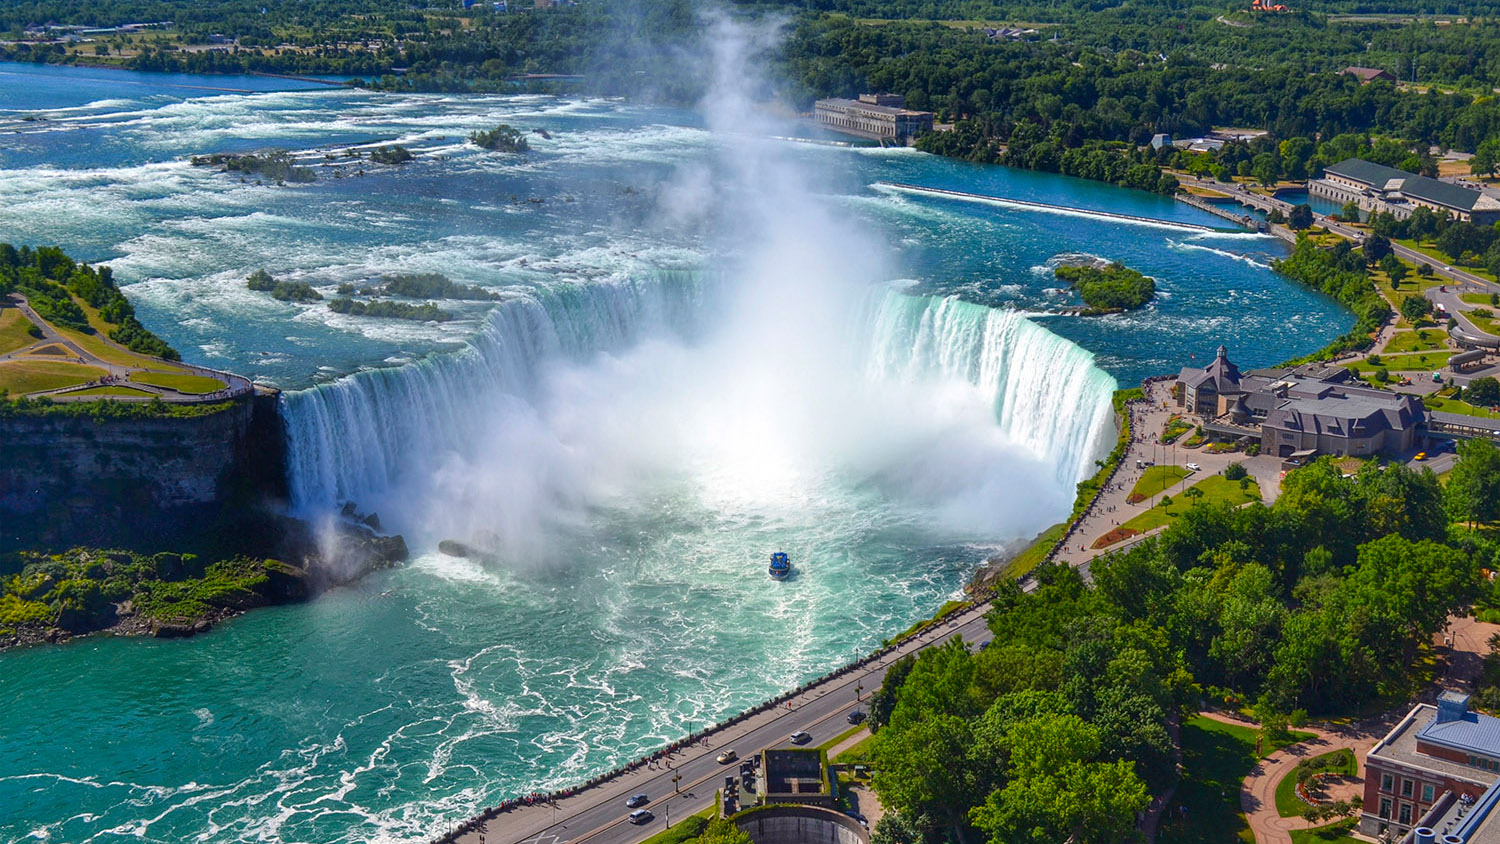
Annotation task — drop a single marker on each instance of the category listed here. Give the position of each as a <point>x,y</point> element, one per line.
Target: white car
<point>1193,467</point>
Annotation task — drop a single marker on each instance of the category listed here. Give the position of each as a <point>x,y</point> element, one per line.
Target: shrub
<point>1235,471</point>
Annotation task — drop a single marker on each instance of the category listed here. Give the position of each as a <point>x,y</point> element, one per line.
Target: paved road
<point>599,815</point>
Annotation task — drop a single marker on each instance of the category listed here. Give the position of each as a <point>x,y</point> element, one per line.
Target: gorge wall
<point>146,484</point>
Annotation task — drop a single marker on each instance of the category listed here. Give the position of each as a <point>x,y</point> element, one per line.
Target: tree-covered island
<point>1109,288</point>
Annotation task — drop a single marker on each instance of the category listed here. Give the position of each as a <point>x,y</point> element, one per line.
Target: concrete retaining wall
<point>802,825</point>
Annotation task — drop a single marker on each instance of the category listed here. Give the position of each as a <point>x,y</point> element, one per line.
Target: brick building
<point>1436,757</point>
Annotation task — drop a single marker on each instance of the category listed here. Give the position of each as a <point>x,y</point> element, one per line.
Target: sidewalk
<point>1258,791</point>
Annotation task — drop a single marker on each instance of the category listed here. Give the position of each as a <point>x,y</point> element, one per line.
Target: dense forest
<point>1321,604</point>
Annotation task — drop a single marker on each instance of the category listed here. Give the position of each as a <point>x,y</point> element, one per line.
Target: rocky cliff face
<point>144,484</point>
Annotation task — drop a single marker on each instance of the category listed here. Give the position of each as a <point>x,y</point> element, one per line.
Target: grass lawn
<point>859,754</point>
<point>1482,299</point>
<point>1216,757</point>
<point>112,391</point>
<point>688,828</point>
<point>1419,362</point>
<point>829,745</point>
<point>1021,564</point>
<point>1288,804</point>
<point>1334,833</point>
<point>20,377</point>
<point>96,346</point>
<point>1448,405</point>
<point>1482,322</point>
<point>14,330</point>
<point>1158,479</point>
<point>1431,251</point>
<point>1425,340</point>
<point>193,384</point>
<point>1215,488</point>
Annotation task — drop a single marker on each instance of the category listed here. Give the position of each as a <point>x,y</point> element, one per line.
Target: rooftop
<point>1400,746</point>
<point>839,102</point>
<point>1457,727</point>
<point>1412,185</point>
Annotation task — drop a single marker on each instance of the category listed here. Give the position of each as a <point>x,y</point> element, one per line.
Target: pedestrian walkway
<point>1113,508</point>
<point>1258,791</point>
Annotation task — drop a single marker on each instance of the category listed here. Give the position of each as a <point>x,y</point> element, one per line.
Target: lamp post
<point>859,690</point>
<point>676,778</point>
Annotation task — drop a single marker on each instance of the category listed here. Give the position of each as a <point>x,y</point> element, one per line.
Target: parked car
<point>1421,456</point>
<point>636,800</point>
<point>640,816</point>
<point>856,717</point>
<point>1193,467</point>
<point>727,756</point>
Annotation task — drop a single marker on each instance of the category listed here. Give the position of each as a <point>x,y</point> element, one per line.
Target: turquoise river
<point>709,345</point>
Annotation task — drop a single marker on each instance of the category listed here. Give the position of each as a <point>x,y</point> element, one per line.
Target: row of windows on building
<point>1408,788</point>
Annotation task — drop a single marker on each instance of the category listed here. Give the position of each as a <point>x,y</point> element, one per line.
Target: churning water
<point>703,352</point>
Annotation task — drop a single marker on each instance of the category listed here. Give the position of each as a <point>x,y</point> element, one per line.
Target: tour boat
<point>781,565</point>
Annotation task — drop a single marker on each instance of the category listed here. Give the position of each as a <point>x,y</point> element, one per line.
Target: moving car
<point>801,737</point>
<point>1421,455</point>
<point>635,800</point>
<point>727,756</point>
<point>1193,467</point>
<point>640,816</point>
<point>856,717</point>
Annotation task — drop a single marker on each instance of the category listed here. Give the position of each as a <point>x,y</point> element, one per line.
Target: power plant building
<point>1376,187</point>
<point>878,117</point>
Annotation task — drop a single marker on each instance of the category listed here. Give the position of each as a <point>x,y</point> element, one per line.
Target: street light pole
<point>676,778</point>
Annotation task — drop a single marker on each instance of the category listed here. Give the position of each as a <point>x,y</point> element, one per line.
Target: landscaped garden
<point>192,384</point>
<point>1156,480</point>
<point>27,375</point>
<point>1336,762</point>
<point>1423,340</point>
<point>1216,757</point>
<point>1209,490</point>
<point>1418,362</point>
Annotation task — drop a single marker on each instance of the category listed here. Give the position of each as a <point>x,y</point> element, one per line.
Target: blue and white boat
<point>781,566</point>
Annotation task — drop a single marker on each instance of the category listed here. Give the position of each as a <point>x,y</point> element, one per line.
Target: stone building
<point>1310,408</point>
<point>879,117</point>
<point>1376,187</point>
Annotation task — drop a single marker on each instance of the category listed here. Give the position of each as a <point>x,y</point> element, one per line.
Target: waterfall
<point>1046,391</point>
<point>347,440</point>
<point>353,438</point>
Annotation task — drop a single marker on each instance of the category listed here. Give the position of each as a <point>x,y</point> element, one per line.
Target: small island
<point>427,312</point>
<point>283,291</point>
<point>1108,288</point>
<point>502,138</point>
<point>277,165</point>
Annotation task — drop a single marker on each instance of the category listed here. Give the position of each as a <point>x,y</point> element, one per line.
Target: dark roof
<point>1441,193</point>
<point>1224,375</point>
<point>1411,185</point>
<point>1354,412</point>
<point>1368,172</point>
<point>1367,74</point>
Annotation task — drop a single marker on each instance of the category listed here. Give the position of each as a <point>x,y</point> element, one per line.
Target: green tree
<point>1300,217</point>
<point>1350,212</point>
<point>1376,249</point>
<point>1483,391</point>
<point>1415,308</point>
<point>1473,491</point>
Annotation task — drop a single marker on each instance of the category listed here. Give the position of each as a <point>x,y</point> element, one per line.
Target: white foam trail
<point>1178,246</point>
